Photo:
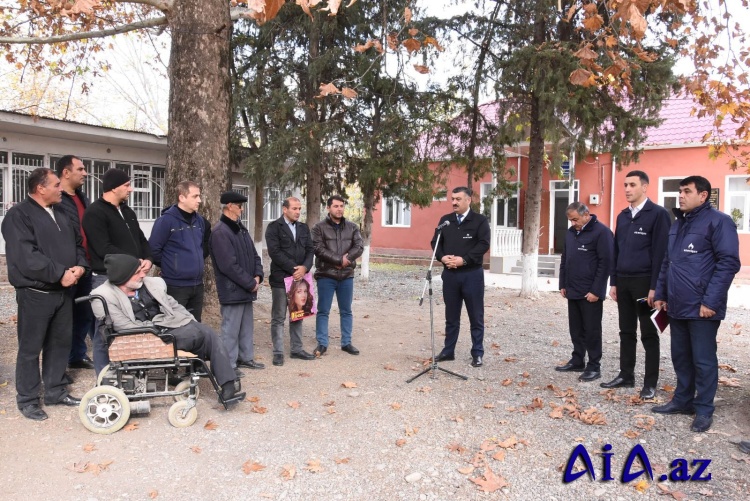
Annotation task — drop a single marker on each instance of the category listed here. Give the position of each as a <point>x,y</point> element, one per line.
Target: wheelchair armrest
<point>164,336</point>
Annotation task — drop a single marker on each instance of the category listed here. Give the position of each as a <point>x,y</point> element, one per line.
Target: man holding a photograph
<point>290,248</point>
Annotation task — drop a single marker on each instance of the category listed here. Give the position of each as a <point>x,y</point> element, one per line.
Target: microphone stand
<point>428,281</point>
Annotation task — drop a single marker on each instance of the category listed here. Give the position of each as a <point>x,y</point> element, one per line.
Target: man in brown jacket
<point>338,244</point>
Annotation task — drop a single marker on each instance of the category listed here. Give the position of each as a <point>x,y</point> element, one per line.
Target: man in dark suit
<point>290,248</point>
<point>640,243</point>
<point>461,249</point>
<point>584,270</point>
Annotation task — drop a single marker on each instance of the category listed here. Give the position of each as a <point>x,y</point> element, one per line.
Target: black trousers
<point>83,321</point>
<point>585,324</point>
<point>204,342</point>
<point>464,286</point>
<point>45,326</point>
<point>631,312</point>
<point>189,297</point>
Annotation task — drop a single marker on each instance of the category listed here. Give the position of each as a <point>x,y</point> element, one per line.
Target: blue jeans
<point>344,290</point>
<point>695,363</point>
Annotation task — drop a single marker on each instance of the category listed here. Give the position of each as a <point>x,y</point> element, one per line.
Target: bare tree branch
<point>148,23</point>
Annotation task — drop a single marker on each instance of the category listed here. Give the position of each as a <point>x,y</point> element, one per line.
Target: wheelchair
<point>144,364</point>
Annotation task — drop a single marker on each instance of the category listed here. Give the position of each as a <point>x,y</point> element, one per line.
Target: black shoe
<point>648,393</point>
<point>279,359</point>
<point>619,382</point>
<point>33,412</point>
<point>320,350</point>
<point>701,423</point>
<point>744,446</point>
<point>67,379</point>
<point>84,363</point>
<point>350,349</point>
<point>238,373</point>
<point>66,400</point>
<point>229,394</point>
<point>442,357</point>
<point>672,408</point>
<point>570,367</point>
<point>476,361</point>
<point>589,376</point>
<point>250,364</point>
<point>302,355</point>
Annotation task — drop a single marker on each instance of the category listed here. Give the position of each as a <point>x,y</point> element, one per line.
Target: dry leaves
<point>731,382</point>
<point>455,447</point>
<point>253,399</point>
<point>395,406</point>
<point>644,422</point>
<point>288,471</point>
<point>95,468</point>
<point>489,406</point>
<point>727,367</point>
<point>349,384</point>
<point>389,367</point>
<point>489,482</point>
<point>258,409</point>
<point>668,388</point>
<point>679,496</point>
<point>424,389</point>
<point>293,404</point>
<point>410,432</point>
<point>400,442</point>
<point>511,359</point>
<point>251,466</point>
<point>153,494</point>
<point>499,456</point>
<point>89,448</point>
<point>304,374</point>
<point>314,466</point>
<point>631,434</point>
<point>330,403</point>
<point>507,382</point>
<point>210,425</point>
<point>593,416</point>
<point>466,470</point>
<point>342,460</point>
<point>641,486</point>
<point>131,426</point>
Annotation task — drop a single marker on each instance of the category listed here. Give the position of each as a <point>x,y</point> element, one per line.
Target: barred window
<point>273,198</point>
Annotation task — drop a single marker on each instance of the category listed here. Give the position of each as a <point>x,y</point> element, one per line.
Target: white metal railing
<point>507,242</point>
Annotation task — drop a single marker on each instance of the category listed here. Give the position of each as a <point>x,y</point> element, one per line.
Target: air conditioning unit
<point>594,199</point>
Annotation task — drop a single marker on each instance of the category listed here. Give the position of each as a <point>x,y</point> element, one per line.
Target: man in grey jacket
<point>134,300</point>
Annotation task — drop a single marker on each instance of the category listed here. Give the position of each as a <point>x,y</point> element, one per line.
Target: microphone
<point>443,225</point>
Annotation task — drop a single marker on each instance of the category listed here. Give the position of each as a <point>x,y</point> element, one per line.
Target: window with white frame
<point>396,212</point>
<point>243,190</point>
<point>738,201</point>
<point>95,170</point>
<point>669,193</point>
<point>21,166</point>
<point>273,198</point>
<point>147,199</point>
<point>507,208</point>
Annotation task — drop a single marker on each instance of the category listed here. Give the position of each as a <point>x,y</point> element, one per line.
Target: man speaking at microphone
<point>464,241</point>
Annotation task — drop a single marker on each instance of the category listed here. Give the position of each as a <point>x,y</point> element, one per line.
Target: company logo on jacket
<point>640,232</point>
<point>690,249</point>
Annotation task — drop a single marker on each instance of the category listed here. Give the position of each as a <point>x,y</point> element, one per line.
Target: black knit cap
<point>113,178</point>
<point>120,267</point>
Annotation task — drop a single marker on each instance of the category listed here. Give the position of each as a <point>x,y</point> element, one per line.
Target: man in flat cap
<point>135,300</point>
<point>111,227</point>
<point>239,273</point>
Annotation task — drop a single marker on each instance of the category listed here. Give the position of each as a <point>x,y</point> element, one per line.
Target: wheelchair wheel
<point>182,386</point>
<point>104,410</point>
<point>180,417</point>
<point>101,375</point>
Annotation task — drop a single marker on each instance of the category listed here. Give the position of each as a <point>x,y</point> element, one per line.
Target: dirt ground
<point>350,427</point>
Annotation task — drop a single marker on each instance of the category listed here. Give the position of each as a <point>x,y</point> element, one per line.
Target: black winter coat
<point>109,233</point>
<point>236,262</point>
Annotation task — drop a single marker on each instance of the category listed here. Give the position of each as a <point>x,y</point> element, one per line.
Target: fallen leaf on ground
<point>329,403</point>
<point>466,470</point>
<point>499,455</point>
<point>511,359</point>
<point>131,426</point>
<point>526,375</point>
<point>349,384</point>
<point>644,422</point>
<point>495,346</point>
<point>641,485</point>
<point>401,442</point>
<point>737,458</point>
<point>631,434</point>
<point>210,425</point>
<point>253,399</point>
<point>668,388</point>
<point>389,367</point>
<point>507,382</point>
<point>288,471</point>
<point>508,442</point>
<point>424,389</point>
<point>250,466</point>
<point>727,367</point>
<point>89,448</point>
<point>410,432</point>
<point>258,409</point>
<point>457,419</point>
<point>153,494</point>
<point>293,404</point>
<point>314,466</point>
<point>196,449</point>
<point>593,416</point>
<point>489,482</point>
<point>478,460</point>
<point>557,412</point>
<point>331,410</point>
<point>304,374</point>
<point>555,343</point>
<point>395,406</point>
<point>342,460</point>
<point>489,406</point>
<point>454,447</point>
<point>732,382</point>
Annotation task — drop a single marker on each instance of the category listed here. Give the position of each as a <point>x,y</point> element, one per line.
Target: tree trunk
<point>314,179</point>
<point>532,211</point>
<point>200,106</point>
<point>368,201</point>
<point>258,214</point>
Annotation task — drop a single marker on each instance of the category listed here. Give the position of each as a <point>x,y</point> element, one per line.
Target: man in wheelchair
<point>135,300</point>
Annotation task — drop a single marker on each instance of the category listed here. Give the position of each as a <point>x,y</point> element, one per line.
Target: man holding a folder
<point>702,259</point>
